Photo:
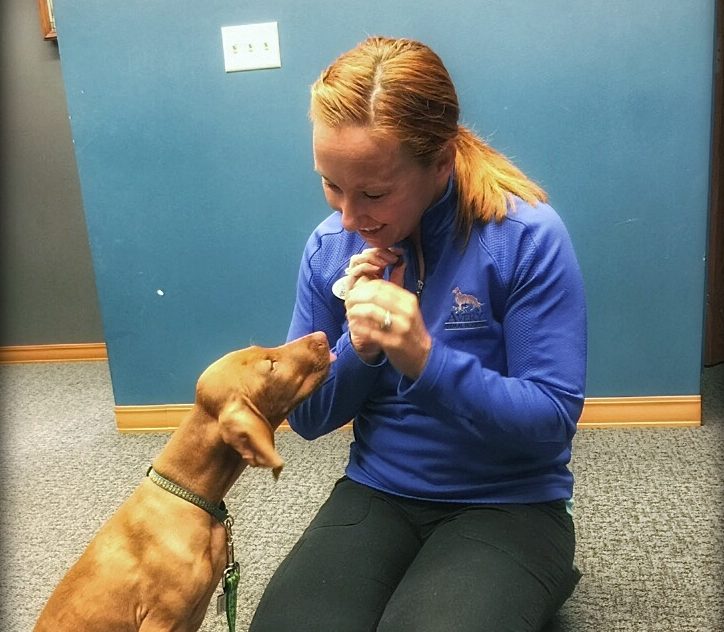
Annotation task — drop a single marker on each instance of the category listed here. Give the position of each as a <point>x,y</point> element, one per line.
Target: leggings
<point>373,561</point>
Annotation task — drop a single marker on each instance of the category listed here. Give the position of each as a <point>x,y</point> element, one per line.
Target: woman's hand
<point>371,264</point>
<point>382,315</point>
<point>368,265</point>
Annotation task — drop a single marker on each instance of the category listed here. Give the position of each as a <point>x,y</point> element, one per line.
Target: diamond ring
<point>387,322</point>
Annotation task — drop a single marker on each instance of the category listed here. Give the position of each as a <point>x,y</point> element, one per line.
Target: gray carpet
<point>648,506</point>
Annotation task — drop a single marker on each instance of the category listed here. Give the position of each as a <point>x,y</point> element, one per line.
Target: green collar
<point>217,511</point>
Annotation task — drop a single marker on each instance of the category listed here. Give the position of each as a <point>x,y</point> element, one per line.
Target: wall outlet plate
<point>251,46</point>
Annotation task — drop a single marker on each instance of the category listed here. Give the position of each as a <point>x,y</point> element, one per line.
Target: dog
<point>154,565</point>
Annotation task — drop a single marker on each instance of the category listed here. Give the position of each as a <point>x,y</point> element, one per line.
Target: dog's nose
<point>319,342</point>
<point>318,339</point>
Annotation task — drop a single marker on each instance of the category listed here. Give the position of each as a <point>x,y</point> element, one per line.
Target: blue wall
<point>199,191</point>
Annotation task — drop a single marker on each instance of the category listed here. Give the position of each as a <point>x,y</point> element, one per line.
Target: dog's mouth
<point>324,362</point>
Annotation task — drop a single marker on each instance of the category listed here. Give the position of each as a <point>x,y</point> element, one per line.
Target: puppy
<point>156,562</point>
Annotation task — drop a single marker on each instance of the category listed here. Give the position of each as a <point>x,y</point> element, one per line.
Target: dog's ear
<point>245,429</point>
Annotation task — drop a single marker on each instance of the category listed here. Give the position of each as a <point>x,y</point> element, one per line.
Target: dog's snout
<point>318,345</point>
<point>318,340</point>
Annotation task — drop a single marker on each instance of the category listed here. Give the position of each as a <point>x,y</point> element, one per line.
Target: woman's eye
<point>330,186</point>
<point>372,196</point>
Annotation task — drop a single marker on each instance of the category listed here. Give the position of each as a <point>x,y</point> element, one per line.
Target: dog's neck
<point>198,459</point>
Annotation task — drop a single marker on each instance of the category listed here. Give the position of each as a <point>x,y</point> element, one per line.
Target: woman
<point>452,296</point>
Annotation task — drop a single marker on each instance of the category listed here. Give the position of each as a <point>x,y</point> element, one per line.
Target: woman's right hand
<point>371,264</point>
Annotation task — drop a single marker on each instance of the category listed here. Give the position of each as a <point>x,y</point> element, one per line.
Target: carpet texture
<point>649,504</point>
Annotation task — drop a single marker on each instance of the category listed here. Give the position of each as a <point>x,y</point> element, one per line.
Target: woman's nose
<point>349,216</point>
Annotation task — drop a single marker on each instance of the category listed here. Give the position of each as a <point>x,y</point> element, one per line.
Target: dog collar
<point>217,511</point>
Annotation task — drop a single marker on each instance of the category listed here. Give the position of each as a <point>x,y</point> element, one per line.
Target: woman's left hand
<point>383,315</point>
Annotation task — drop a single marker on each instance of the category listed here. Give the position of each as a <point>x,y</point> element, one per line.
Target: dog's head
<point>251,391</point>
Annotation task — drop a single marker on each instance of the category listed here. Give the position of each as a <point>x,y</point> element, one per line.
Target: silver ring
<point>387,322</point>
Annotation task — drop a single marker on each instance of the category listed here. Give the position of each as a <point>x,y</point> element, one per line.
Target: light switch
<point>251,46</point>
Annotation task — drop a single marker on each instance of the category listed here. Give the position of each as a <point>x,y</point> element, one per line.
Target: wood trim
<point>150,418</point>
<point>47,20</point>
<point>598,412</point>
<point>53,353</point>
<point>636,412</point>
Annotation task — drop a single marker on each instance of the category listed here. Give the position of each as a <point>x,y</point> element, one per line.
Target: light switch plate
<point>251,46</point>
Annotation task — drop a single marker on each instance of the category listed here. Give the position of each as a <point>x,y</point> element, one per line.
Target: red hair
<point>400,88</point>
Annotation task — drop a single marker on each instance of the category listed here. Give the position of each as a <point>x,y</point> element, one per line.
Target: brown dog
<point>155,564</point>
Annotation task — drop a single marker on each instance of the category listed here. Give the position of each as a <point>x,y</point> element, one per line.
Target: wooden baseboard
<point>637,412</point>
<point>598,412</point>
<point>150,418</point>
<point>53,353</point>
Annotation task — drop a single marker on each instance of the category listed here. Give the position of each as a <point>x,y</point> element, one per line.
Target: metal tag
<point>339,288</point>
<point>221,603</point>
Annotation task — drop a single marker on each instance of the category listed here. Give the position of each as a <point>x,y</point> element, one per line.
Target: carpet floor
<point>649,504</point>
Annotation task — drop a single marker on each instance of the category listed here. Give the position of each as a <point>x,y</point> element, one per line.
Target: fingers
<point>372,262</point>
<point>378,257</point>
<point>386,294</point>
<point>382,316</point>
<point>380,312</point>
<point>364,317</point>
<point>368,320</point>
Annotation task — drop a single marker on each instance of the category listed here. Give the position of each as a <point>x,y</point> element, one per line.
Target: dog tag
<point>339,288</point>
<point>221,603</point>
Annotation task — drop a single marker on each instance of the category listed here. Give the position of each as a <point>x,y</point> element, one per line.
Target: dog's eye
<point>272,364</point>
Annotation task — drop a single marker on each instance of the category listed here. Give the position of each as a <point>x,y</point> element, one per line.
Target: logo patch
<point>467,312</point>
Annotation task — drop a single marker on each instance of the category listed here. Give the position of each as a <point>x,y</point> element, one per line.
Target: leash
<point>227,600</point>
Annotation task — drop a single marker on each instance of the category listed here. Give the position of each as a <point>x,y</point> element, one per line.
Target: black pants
<point>371,561</point>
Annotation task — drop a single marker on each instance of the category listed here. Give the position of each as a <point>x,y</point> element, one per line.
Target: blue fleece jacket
<point>492,416</point>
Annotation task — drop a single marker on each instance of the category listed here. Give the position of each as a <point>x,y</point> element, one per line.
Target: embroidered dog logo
<point>467,312</point>
<point>465,301</point>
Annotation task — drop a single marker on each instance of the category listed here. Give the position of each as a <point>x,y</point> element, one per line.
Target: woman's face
<point>380,190</point>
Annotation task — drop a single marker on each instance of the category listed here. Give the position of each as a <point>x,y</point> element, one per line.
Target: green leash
<point>227,600</point>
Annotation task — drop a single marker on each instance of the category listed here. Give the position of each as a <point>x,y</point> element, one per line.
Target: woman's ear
<point>446,160</point>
